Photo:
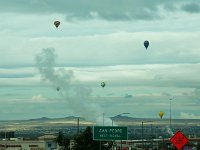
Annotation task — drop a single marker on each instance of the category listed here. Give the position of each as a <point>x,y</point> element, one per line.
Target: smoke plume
<point>169,131</point>
<point>76,95</point>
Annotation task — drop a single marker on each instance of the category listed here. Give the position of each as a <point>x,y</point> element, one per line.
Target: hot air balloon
<point>161,113</point>
<point>103,84</point>
<point>56,23</point>
<point>146,44</point>
<point>58,89</point>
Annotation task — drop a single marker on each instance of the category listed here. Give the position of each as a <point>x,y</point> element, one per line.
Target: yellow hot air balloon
<point>161,113</point>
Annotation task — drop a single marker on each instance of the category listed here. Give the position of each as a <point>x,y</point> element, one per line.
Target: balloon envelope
<point>56,23</point>
<point>103,84</point>
<point>58,89</point>
<point>161,113</point>
<point>146,44</point>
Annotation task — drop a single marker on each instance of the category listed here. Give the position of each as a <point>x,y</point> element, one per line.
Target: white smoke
<point>169,131</point>
<point>77,96</point>
<point>105,121</point>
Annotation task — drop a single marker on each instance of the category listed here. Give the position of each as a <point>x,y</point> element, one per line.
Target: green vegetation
<point>83,141</point>
<point>63,141</point>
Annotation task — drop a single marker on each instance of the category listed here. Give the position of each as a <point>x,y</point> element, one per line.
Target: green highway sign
<point>109,133</point>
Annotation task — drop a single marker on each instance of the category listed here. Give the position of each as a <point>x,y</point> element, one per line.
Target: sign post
<point>179,140</point>
<point>109,133</point>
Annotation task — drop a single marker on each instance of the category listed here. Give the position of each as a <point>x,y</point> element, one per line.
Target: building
<point>46,142</point>
<point>7,134</point>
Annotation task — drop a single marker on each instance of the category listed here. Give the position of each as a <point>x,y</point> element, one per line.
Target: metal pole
<point>99,145</point>
<point>170,119</point>
<point>103,125</point>
<point>151,137</point>
<point>113,140</point>
<point>142,137</point>
<point>103,119</point>
<point>157,137</point>
<point>5,133</point>
<point>5,139</point>
<point>77,126</point>
<point>112,122</point>
<point>143,133</point>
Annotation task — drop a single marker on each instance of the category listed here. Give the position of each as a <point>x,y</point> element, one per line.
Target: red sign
<point>179,140</point>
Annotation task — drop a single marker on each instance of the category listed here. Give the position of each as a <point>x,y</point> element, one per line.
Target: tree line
<point>83,141</point>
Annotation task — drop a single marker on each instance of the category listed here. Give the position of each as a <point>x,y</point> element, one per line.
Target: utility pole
<point>5,139</point>
<point>151,137</point>
<point>142,137</point>
<point>143,133</point>
<point>103,125</point>
<point>78,126</point>
<point>103,119</point>
<point>170,112</point>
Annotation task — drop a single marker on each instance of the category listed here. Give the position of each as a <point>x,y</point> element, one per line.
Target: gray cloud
<point>128,96</point>
<point>89,9</point>
<point>104,33</point>
<point>16,75</point>
<point>166,94</point>
<point>191,8</point>
<point>78,97</point>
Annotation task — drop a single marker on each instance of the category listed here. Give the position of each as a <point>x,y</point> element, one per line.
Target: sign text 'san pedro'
<point>109,133</point>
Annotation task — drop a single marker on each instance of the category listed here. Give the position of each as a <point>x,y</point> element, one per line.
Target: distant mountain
<point>126,120</point>
<point>118,120</point>
<point>40,119</point>
<point>73,118</point>
<point>120,117</point>
<point>56,119</point>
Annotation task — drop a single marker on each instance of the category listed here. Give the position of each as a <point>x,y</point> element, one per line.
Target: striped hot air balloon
<point>56,23</point>
<point>103,84</point>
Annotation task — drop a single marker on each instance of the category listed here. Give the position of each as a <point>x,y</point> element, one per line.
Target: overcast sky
<point>99,41</point>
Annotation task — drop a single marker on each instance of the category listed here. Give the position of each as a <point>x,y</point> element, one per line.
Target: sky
<point>57,72</point>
